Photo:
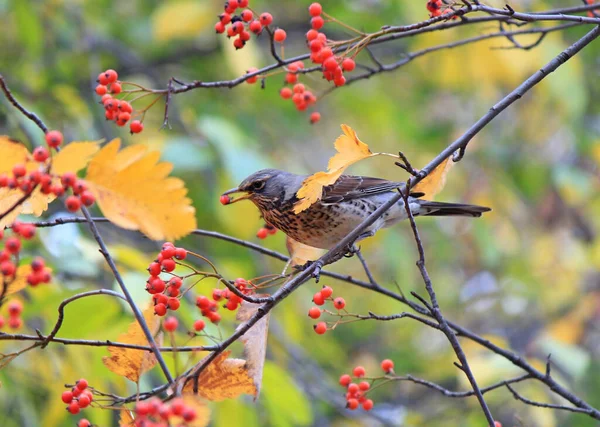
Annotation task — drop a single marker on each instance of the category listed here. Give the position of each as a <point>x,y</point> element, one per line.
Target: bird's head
<point>265,187</point>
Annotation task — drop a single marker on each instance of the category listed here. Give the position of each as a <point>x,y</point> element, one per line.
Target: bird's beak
<point>236,190</point>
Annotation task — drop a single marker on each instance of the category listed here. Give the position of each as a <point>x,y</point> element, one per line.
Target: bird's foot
<point>351,251</point>
<point>316,274</point>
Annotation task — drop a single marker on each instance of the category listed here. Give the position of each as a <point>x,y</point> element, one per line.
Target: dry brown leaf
<point>433,183</point>
<point>125,418</point>
<point>301,253</point>
<point>131,363</point>
<point>350,150</point>
<point>134,191</point>
<point>255,342</point>
<point>223,379</point>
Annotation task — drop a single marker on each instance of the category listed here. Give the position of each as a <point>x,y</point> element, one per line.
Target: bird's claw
<point>351,251</point>
<point>316,274</point>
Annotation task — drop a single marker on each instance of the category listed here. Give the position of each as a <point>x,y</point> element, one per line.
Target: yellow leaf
<point>125,418</point>
<point>135,192</point>
<point>435,181</point>
<point>20,281</point>
<point>301,253</point>
<point>12,152</point>
<point>223,379</point>
<point>131,363</point>
<point>181,19</point>
<point>74,157</point>
<point>350,150</point>
<point>202,411</point>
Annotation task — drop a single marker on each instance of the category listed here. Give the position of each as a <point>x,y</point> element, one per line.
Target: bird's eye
<point>258,185</point>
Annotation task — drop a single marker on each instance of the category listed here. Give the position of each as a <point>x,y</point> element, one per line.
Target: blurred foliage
<point>527,275</point>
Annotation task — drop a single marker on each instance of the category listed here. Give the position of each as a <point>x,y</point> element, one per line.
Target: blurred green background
<point>527,275</point>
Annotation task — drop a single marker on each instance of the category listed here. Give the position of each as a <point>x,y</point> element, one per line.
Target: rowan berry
<point>291,78</point>
<point>12,245</point>
<point>101,90</point>
<point>359,371</point>
<point>348,64</point>
<point>367,405</point>
<point>111,75</point>
<point>180,253</point>
<point>247,15</point>
<point>224,19</point>
<point>213,316</point>
<point>219,27</point>
<point>83,401</point>
<point>352,404</point>
<point>279,35</point>
<point>243,3</point>
<point>136,127</point>
<point>345,380</point>
<point>262,233</point>
<point>54,138</point>
<point>19,171</point>
<point>40,154</point>
<point>73,203</point>
<point>202,302</point>
<point>339,303</point>
<point>285,93</point>
<point>173,303</point>
<point>231,305</point>
<point>315,117</point>
<point>387,365</point>
<point>123,118</point>
<point>189,414</point>
<point>255,26</point>
<point>266,19</point>
<point>320,328</point>
<point>341,81</point>
<point>84,423</point>
<point>364,386</point>
<point>252,79</point>
<point>168,265</point>
<point>314,313</point>
<point>315,9</point>
<point>154,269</point>
<point>15,322</point>
<point>160,309</point>
<point>199,325</point>
<point>68,179</point>
<point>238,43</point>
<point>73,407</point>
<point>67,396</point>
<point>317,22</point>
<point>326,291</point>
<point>170,324</point>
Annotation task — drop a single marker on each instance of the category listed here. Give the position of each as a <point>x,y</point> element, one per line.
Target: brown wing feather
<point>349,187</point>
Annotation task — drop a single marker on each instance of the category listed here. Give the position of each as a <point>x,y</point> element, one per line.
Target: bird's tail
<point>429,208</point>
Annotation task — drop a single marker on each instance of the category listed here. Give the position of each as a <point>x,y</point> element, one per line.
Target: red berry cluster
<point>240,26</point>
<point>325,294</point>
<point>48,183</point>
<point>591,13</point>
<point>435,9</point>
<point>15,308</point>
<point>209,307</point>
<point>165,294</point>
<point>78,397</point>
<point>267,230</point>
<point>156,413</point>
<point>120,111</point>
<point>9,256</point>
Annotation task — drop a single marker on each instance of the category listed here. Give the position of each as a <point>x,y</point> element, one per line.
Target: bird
<point>343,206</point>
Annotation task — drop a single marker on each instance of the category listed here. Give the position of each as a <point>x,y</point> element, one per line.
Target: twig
<point>548,405</point>
<point>31,116</point>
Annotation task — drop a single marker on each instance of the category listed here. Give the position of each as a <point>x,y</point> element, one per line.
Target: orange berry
<point>279,35</point>
<point>253,79</point>
<point>367,405</point>
<point>285,93</point>
<point>326,291</point>
<point>352,404</point>
<point>224,199</point>
<point>320,328</point>
<point>314,313</point>
<point>317,22</point>
<point>101,90</point>
<point>345,380</point>
<point>199,325</point>
<point>315,117</point>
<point>266,19</point>
<point>339,303</point>
<point>262,233</point>
<point>170,324</point>
<point>73,203</point>
<point>359,371</point>
<point>315,9</point>
<point>136,126</point>
<point>387,365</point>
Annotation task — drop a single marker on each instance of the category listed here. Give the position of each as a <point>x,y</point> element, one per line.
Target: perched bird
<point>343,206</point>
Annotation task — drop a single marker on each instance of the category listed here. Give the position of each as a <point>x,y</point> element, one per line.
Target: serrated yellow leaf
<point>134,191</point>
<point>12,152</point>
<point>74,157</point>
<point>350,150</point>
<point>433,183</point>
<point>131,363</point>
<point>20,281</point>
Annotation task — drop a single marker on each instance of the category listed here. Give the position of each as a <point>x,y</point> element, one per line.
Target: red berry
<point>73,407</point>
<point>279,35</point>
<point>320,328</point>
<point>189,414</point>
<point>364,386</point>
<point>202,302</point>
<point>315,9</point>
<point>318,298</point>
<point>15,322</point>
<point>225,19</point>
<point>352,404</point>
<point>231,305</point>
<point>224,199</point>
<point>266,19</point>
<point>387,365</point>
<point>256,27</point>
<point>115,88</point>
<point>41,154</point>
<point>180,253</point>
<point>7,268</point>
<point>298,88</point>
<point>67,396</point>
<point>160,309</point>
<point>238,43</point>
<point>102,79</point>
<point>154,269</point>
<point>285,93</point>
<point>173,303</point>
<point>262,233</point>
<point>353,388</point>
<point>72,203</point>
<point>170,324</point>
<point>314,313</point>
<point>111,75</point>
<point>84,423</point>
<point>359,371</point>
<point>213,316</point>
<point>315,45</point>
<point>219,27</point>
<point>291,78</point>
<point>315,117</point>
<point>367,405</point>
<point>252,79</point>
<point>339,303</point>
<point>317,22</point>
<point>345,380</point>
<point>326,291</point>
<point>348,64</point>
<point>168,251</point>
<point>243,3</point>
<point>136,126</point>
<point>247,15</point>
<point>12,245</point>
<point>341,81</point>
<point>330,63</point>
<point>199,325</point>
<point>19,171</point>
<point>168,265</point>
<point>83,401</point>
<point>87,198</point>
<point>123,118</point>
<point>54,138</point>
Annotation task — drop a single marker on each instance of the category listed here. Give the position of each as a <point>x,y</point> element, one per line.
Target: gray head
<point>267,186</point>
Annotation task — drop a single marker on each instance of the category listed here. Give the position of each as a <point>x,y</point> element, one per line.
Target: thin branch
<point>31,116</point>
<point>517,396</point>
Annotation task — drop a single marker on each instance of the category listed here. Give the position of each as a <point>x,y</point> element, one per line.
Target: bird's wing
<point>349,187</point>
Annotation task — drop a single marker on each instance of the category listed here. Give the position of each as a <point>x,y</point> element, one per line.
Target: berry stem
<point>332,19</point>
